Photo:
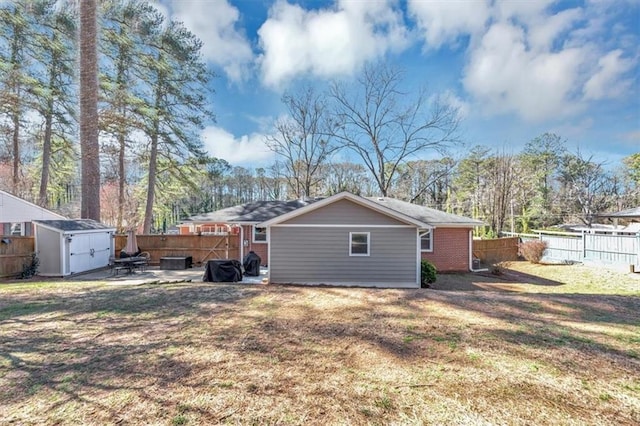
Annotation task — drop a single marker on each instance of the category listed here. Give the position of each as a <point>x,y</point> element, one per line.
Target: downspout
<point>471,250</point>
<point>241,243</point>
<point>419,259</point>
<point>269,254</point>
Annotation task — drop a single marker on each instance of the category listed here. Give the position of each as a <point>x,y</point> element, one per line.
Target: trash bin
<point>475,264</point>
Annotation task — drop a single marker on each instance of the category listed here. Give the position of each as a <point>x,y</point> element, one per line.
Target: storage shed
<point>66,247</point>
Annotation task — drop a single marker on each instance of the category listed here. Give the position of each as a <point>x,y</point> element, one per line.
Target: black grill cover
<point>251,263</point>
<point>223,271</point>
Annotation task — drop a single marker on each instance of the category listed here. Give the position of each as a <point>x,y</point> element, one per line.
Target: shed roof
<point>74,224</point>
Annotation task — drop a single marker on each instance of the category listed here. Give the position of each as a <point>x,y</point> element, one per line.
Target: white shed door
<point>88,251</point>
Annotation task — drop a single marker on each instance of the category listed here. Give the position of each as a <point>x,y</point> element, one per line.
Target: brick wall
<point>261,249</point>
<point>450,250</point>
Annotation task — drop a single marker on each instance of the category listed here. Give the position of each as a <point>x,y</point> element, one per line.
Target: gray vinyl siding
<point>344,212</point>
<point>320,255</point>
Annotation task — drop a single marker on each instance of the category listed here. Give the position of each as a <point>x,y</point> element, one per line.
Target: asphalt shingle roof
<point>424,214</point>
<point>74,224</point>
<point>262,211</point>
<point>255,211</point>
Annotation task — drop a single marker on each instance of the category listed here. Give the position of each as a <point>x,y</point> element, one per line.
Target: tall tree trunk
<point>153,160</point>
<point>48,124</point>
<point>16,149</point>
<point>46,155</point>
<point>121,180</point>
<point>90,150</point>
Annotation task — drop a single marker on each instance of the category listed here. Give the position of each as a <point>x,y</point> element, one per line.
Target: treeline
<point>154,101</point>
<point>541,186</point>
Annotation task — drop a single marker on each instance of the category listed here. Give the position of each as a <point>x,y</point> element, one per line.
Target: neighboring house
<point>346,239</point>
<point>17,215</point>
<point>629,216</point>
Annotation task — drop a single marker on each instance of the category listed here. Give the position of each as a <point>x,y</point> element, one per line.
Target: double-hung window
<point>359,243</point>
<point>259,234</point>
<point>426,242</point>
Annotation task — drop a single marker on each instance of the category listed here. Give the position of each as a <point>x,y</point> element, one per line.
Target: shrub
<point>532,250</point>
<point>30,269</point>
<point>427,273</point>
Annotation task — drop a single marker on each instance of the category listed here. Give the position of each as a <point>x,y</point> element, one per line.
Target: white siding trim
<point>301,225</point>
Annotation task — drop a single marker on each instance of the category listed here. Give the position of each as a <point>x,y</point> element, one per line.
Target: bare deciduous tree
<point>385,126</point>
<point>302,140</point>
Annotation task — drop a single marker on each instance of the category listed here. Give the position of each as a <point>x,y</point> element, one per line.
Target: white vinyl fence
<point>586,247</point>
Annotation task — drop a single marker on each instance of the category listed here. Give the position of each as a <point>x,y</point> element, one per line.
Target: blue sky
<point>515,69</point>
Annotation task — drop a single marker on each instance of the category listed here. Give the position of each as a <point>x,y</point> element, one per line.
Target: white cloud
<point>444,22</point>
<point>449,98</point>
<point>606,82</point>
<point>542,64</point>
<point>327,42</point>
<point>505,75</point>
<point>215,23</point>
<point>544,30</point>
<point>247,149</point>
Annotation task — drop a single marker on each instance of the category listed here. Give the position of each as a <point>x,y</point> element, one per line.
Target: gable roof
<point>253,212</point>
<point>426,214</point>
<point>16,209</point>
<point>268,213</point>
<point>351,197</point>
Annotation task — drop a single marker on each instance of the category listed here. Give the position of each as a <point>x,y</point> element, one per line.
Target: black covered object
<point>251,264</point>
<point>223,271</point>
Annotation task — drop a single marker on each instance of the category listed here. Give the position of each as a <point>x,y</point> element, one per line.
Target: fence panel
<point>15,253</point>
<point>200,247</point>
<point>496,250</point>
<point>563,247</point>
<point>603,248</point>
<point>622,249</point>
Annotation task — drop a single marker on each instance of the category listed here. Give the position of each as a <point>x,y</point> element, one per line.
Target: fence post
<point>584,247</point>
<point>638,249</point>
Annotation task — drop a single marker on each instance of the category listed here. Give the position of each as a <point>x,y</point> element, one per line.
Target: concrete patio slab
<point>156,275</point>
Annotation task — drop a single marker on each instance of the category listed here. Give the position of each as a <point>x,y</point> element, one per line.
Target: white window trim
<point>422,232</point>
<point>368,253</point>
<point>253,235</point>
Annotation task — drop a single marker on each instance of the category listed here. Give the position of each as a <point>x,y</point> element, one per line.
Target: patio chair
<point>144,257</point>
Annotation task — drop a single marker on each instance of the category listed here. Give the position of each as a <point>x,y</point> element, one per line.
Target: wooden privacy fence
<point>200,247</point>
<point>15,253</point>
<point>496,250</point>
<point>580,247</point>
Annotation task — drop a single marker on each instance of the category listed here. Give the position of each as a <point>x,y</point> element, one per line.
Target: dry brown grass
<point>201,353</point>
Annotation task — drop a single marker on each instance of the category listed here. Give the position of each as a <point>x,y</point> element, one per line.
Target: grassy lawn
<point>553,346</point>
